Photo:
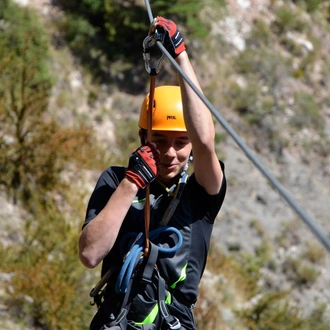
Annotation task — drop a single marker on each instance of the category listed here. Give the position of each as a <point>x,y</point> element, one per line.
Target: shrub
<point>24,90</point>
<point>300,271</point>
<point>271,311</point>
<point>34,149</point>
<point>315,253</point>
<point>260,35</point>
<point>307,113</point>
<point>310,5</point>
<point>47,284</point>
<point>288,19</point>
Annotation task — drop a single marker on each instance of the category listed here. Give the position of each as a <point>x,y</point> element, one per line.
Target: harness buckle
<point>176,325</point>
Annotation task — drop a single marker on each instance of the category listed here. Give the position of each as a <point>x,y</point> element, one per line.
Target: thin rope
<point>309,221</point>
<point>149,128</point>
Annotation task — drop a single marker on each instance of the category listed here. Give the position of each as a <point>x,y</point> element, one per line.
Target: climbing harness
<point>139,277</point>
<point>141,286</point>
<point>140,271</point>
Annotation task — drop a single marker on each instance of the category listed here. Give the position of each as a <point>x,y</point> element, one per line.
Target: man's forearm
<point>99,235</point>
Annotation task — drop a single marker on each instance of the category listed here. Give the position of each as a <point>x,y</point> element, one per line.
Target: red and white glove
<point>173,41</point>
<point>143,165</point>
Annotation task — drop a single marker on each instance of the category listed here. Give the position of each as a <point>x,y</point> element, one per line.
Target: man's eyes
<point>159,141</point>
<point>179,143</point>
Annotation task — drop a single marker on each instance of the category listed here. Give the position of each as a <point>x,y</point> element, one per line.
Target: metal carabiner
<point>148,43</point>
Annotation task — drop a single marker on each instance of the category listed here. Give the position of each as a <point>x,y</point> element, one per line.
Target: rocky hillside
<point>255,213</point>
<point>265,67</point>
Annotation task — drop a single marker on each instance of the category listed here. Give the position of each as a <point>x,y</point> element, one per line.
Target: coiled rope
<point>135,254</point>
<point>308,220</point>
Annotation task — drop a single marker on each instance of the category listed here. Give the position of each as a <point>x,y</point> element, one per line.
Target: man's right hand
<point>143,165</point>
<point>173,40</point>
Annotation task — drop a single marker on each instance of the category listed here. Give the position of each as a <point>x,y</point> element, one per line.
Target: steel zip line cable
<point>309,221</point>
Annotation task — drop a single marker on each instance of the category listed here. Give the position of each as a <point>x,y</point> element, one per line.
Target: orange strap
<point>149,129</point>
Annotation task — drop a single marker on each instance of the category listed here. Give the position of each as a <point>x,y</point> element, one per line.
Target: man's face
<point>175,149</point>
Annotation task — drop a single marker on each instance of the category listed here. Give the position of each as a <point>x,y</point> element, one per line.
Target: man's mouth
<point>168,166</point>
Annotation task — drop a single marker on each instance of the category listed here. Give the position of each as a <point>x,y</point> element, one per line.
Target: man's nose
<point>170,151</point>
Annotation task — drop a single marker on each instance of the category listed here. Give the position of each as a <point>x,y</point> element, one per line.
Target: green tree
<point>119,27</point>
<point>114,28</point>
<point>114,32</point>
<point>34,150</point>
<point>47,282</point>
<point>25,86</point>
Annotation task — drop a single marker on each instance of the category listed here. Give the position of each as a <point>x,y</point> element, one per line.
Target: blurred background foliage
<point>114,32</point>
<point>46,284</point>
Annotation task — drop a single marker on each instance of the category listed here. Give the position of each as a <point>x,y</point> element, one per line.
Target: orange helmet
<point>167,114</point>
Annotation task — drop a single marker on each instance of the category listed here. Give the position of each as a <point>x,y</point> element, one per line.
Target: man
<point>182,128</point>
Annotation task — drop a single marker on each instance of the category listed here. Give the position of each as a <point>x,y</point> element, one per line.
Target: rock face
<point>255,213</point>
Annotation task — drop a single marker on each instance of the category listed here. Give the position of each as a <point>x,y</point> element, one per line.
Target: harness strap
<point>149,268</point>
<point>120,323</point>
<point>175,200</point>
<point>170,320</point>
<point>135,253</point>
